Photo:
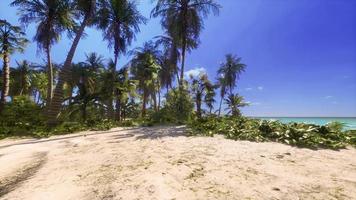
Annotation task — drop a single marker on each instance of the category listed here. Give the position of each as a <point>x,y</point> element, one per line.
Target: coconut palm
<point>22,77</point>
<point>124,87</point>
<point>234,102</point>
<point>12,39</point>
<point>169,60</point>
<point>209,98</point>
<point>183,20</point>
<point>229,72</point>
<point>119,20</point>
<point>94,62</point>
<point>86,78</point>
<point>53,17</point>
<point>145,68</point>
<point>200,88</point>
<point>85,10</point>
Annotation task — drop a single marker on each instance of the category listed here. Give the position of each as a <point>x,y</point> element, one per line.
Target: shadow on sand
<point>35,141</point>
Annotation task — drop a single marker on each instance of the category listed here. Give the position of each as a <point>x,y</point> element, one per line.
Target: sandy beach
<point>163,163</point>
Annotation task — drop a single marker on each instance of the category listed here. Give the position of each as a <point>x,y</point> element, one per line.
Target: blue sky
<point>300,54</point>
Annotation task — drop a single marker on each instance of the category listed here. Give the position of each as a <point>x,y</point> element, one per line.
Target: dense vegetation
<point>49,98</point>
<point>40,99</point>
<point>296,134</point>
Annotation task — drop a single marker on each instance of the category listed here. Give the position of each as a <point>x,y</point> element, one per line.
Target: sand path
<point>162,163</point>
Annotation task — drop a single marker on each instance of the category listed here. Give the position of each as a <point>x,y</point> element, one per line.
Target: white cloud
<point>253,103</point>
<point>328,97</point>
<point>248,89</point>
<point>334,102</point>
<point>260,88</point>
<point>195,72</point>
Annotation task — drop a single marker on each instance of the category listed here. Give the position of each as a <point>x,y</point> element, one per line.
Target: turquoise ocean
<point>349,122</point>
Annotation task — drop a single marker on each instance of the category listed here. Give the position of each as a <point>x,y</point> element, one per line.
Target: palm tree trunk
<point>198,108</point>
<point>154,97</point>
<point>115,60</point>
<point>49,75</point>
<point>115,92</point>
<point>6,80</point>
<point>181,80</point>
<point>118,105</point>
<point>184,46</point>
<point>144,99</point>
<point>64,75</point>
<point>159,100</point>
<point>221,100</point>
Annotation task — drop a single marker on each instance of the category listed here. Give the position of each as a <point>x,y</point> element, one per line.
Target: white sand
<point>161,163</point>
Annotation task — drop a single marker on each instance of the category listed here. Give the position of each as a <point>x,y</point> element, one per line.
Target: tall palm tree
<point>125,87</point>
<point>234,102</point>
<point>52,17</point>
<point>85,10</point>
<point>169,60</point>
<point>145,68</point>
<point>119,20</point>
<point>183,20</point>
<point>229,72</point>
<point>12,39</point>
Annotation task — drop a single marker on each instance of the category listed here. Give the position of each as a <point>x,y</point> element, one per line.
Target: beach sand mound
<point>162,163</point>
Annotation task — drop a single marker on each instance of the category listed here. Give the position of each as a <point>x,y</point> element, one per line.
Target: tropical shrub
<point>20,117</point>
<point>178,107</point>
<point>295,134</point>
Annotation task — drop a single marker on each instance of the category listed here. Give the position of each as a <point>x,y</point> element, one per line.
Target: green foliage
<point>103,125</point>
<point>20,117</point>
<point>68,127</point>
<point>336,126</point>
<point>178,107</point>
<point>295,134</point>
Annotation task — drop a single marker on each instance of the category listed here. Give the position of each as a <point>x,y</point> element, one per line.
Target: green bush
<point>296,134</point>
<point>178,107</point>
<point>103,125</point>
<point>20,117</point>
<point>69,127</point>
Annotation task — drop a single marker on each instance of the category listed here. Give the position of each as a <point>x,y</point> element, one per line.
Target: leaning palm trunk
<point>6,80</point>
<point>64,75</point>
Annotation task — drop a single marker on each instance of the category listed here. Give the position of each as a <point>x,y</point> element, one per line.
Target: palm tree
<point>22,76</point>
<point>119,20</point>
<point>229,72</point>
<point>12,39</point>
<point>210,96</point>
<point>183,20</point>
<point>234,102</point>
<point>85,77</point>
<point>169,60</point>
<point>86,10</point>
<point>53,17</point>
<point>200,88</point>
<point>125,87</point>
<point>94,62</point>
<point>145,68</point>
